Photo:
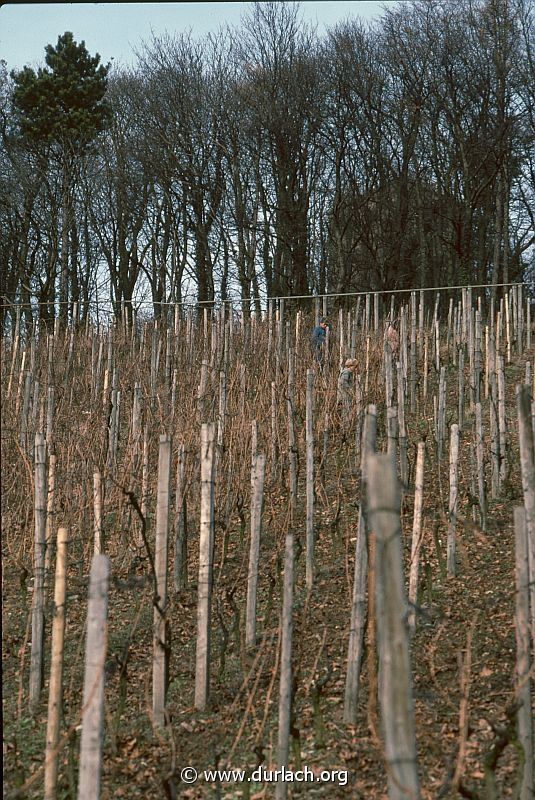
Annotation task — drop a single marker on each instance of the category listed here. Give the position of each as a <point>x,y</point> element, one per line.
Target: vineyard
<point>214,559</point>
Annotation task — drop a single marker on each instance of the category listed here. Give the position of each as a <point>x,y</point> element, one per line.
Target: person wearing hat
<point>346,386</point>
<point>319,337</point>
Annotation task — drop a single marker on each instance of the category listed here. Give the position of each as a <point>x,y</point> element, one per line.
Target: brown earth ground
<point>463,655</point>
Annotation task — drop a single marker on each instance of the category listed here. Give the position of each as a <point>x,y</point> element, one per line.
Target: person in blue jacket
<point>319,337</point>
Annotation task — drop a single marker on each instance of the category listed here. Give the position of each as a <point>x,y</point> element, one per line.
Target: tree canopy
<point>269,160</point>
<point>65,101</point>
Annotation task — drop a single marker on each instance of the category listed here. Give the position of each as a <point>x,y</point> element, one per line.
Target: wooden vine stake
<point>292,446</point>
<point>56,668</point>
<point>396,700</point>
<point>285,691</point>
<point>527,464</point>
<point>309,480</point>
<point>454,498</point>
<point>523,678</point>
<point>93,697</point>
<point>357,624</point>
<point>206,551</point>
<point>50,506</point>
<point>160,659</point>
<point>180,573</point>
<point>97,513</point>
<point>38,617</point>
<point>257,494</point>
<point>417,536</point>
<point>480,468</point>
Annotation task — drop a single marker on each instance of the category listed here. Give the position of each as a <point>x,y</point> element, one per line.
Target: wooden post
<point>257,494</point>
<point>38,618</point>
<point>441,414</point>
<point>93,697</point>
<point>367,368</point>
<point>417,535</point>
<point>402,430</point>
<point>181,531</point>
<point>384,505</point>
<point>56,668</point>
<point>202,392</point>
<point>426,368</point>
<point>461,388</point>
<point>285,692</point>
<point>144,484</point>
<point>480,462</point>
<point>528,323</point>
<point>97,507</point>
<point>309,480</point>
<point>477,359</point>
<point>454,498</point>
<point>502,424</point>
<point>527,464</point>
<point>28,386</point>
<point>357,623</point>
<point>392,431</point>
<point>523,679</point>
<point>221,417</point>
<point>414,355</point>
<point>292,447</point>
<point>273,427</point>
<point>50,509</point>
<point>160,662</point>
<point>389,380</point>
<point>206,546</point>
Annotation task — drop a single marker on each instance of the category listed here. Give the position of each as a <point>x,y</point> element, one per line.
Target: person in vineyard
<point>319,339</point>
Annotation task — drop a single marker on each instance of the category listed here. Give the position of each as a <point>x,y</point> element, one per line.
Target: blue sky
<point>115,29</point>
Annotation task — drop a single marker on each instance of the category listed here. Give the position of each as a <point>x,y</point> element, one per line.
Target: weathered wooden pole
<point>221,418</point>
<point>144,485</point>
<point>395,690</point>
<point>417,534</point>
<point>38,600</point>
<point>97,513</point>
<point>389,378</point>
<point>441,413</point>
<point>206,548</point>
<point>359,605</point>
<point>523,677</point>
<point>28,388</point>
<point>454,498</point>
<point>494,437</point>
<point>502,422</point>
<point>56,668</point>
<point>461,388</point>
<point>402,430</point>
<point>257,495</point>
<point>310,536</point>
<point>292,446</point>
<point>93,696</point>
<point>414,354</point>
<point>160,659</point>
<point>285,691</point>
<point>273,427</point>
<point>180,572</point>
<point>50,511</point>
<point>392,431</point>
<point>527,464</point>
<point>202,392</point>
